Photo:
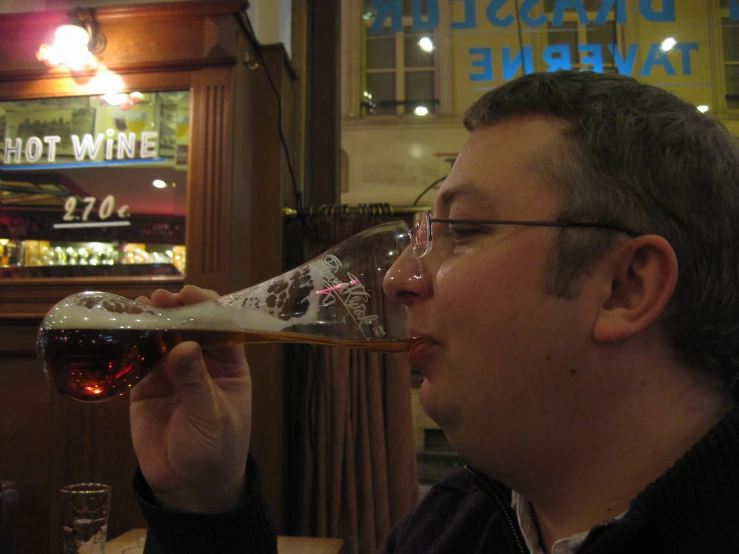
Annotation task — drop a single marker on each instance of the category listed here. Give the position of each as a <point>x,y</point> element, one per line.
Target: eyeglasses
<point>422,239</point>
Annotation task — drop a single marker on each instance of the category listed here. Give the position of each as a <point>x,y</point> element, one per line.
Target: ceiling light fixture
<point>77,43</point>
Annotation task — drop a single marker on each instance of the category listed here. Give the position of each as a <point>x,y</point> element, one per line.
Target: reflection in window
<point>730,39</point>
<point>381,50</point>
<point>565,34</point>
<point>730,33</point>
<point>572,33</point>
<point>381,85</point>
<point>419,85</point>
<point>93,189</point>
<point>399,69</point>
<point>602,34</point>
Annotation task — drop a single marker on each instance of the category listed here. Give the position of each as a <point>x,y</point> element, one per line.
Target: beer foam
<point>307,295</point>
<point>210,316</point>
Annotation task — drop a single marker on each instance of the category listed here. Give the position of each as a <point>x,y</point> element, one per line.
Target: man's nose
<point>407,280</point>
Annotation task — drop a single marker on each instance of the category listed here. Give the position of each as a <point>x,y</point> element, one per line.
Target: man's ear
<point>643,275</point>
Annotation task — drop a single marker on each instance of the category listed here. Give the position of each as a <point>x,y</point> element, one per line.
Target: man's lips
<point>420,348</point>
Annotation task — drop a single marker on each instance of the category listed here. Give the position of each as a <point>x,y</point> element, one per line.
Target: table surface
<point>132,542</point>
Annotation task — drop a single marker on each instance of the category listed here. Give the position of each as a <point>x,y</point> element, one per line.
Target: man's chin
<point>430,402</point>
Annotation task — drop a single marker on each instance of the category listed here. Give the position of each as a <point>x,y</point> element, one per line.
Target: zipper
<point>485,486</point>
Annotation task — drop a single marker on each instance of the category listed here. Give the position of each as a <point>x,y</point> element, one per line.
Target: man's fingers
<point>229,361</point>
<point>192,295</point>
<point>142,300</point>
<point>164,299</point>
<point>186,369</point>
<point>188,295</point>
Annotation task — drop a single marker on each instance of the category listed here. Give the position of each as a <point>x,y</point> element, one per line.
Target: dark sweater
<point>692,509</point>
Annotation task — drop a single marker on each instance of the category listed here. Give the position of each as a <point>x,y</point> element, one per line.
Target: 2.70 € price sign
<point>104,211</point>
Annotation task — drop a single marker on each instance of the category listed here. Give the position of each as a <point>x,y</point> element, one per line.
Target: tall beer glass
<point>96,345</point>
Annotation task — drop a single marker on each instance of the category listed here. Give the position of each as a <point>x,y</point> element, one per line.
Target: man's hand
<point>191,420</point>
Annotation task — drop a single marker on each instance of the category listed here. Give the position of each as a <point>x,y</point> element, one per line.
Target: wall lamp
<point>77,43</point>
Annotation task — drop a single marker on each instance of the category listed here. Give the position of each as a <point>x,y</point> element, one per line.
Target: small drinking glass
<point>85,508</point>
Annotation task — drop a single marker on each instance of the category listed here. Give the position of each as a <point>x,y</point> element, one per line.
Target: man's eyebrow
<point>448,196</point>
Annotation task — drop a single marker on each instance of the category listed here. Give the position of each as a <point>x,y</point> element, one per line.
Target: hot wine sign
<point>88,147</point>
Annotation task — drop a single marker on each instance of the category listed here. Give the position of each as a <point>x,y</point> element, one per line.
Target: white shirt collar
<point>527,522</point>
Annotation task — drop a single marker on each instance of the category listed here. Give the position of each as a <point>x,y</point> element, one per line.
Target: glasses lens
<point>421,233</point>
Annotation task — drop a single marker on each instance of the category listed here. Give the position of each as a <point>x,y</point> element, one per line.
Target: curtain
<point>358,456</point>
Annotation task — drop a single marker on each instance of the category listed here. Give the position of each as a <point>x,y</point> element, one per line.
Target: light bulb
<point>426,44</point>
<point>70,48</point>
<point>668,44</point>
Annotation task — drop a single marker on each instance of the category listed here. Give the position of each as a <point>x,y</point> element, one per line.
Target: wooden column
<point>209,182</point>
<point>323,138</point>
<point>272,185</point>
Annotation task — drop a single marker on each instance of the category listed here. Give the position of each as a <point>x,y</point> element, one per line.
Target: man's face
<point>502,359</point>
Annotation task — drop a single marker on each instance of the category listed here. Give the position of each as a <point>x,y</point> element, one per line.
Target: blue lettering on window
<point>387,8</point>
<point>625,66</point>
<point>557,56</point>
<point>592,55</point>
<point>524,57</point>
<point>492,14</point>
<point>526,18</point>
<point>605,9</point>
<point>734,10</point>
<point>470,16</point>
<point>432,20</point>
<point>685,48</point>
<point>558,17</point>
<point>657,56</point>
<point>648,12</point>
<point>485,63</point>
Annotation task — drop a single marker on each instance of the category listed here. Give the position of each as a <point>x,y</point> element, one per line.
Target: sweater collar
<point>705,479</point>
<point>694,504</point>
<point>697,495</point>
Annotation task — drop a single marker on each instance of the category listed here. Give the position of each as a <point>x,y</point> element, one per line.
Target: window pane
<point>419,85</point>
<point>381,86</point>
<point>724,4</point>
<point>602,34</point>
<point>732,86</point>
<point>415,56</point>
<point>565,34</point>
<point>380,50</point>
<point>730,32</point>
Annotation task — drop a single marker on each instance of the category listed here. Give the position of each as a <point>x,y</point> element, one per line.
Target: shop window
<point>400,69</point>
<point>573,33</point>
<point>88,188</point>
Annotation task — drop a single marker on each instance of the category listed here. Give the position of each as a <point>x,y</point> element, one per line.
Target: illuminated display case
<point>92,186</point>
